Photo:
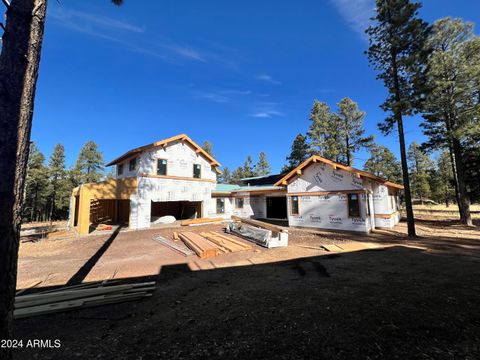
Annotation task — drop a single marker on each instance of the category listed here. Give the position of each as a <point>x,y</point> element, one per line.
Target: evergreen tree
<point>419,164</point>
<point>262,167</point>
<point>237,175</point>
<point>323,132</point>
<point>248,170</point>
<point>298,154</point>
<point>225,177</point>
<point>36,191</point>
<point>441,180</point>
<point>349,121</point>
<point>451,98</point>
<point>397,50</point>
<point>383,163</point>
<point>90,163</point>
<point>59,187</point>
<point>208,147</point>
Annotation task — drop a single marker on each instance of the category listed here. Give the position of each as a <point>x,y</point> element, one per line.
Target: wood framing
<point>315,158</point>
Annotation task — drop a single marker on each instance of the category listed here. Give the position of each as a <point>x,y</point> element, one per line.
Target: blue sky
<point>242,75</point>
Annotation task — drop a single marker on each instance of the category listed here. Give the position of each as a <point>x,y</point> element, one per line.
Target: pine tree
<point>36,191</point>
<point>208,147</point>
<point>383,163</point>
<point>225,177</point>
<point>248,170</point>
<point>419,164</point>
<point>90,163</point>
<point>349,121</point>
<point>262,167</point>
<point>441,180</point>
<point>298,154</point>
<point>237,175</point>
<point>397,51</point>
<point>451,98</point>
<point>323,132</point>
<point>59,187</point>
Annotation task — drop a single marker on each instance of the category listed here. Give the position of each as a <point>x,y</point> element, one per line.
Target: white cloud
<point>212,96</point>
<point>268,78</point>
<point>187,53</point>
<point>356,13</point>
<point>266,110</point>
<point>79,19</point>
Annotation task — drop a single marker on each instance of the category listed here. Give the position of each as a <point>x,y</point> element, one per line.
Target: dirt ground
<point>398,299</point>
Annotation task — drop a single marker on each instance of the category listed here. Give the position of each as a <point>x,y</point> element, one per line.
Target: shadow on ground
<point>400,303</point>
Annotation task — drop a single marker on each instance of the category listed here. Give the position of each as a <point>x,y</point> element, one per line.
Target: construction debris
<point>175,236</point>
<point>200,221</point>
<point>202,247</point>
<point>174,245</point>
<point>79,296</point>
<point>260,224</point>
<point>272,237</point>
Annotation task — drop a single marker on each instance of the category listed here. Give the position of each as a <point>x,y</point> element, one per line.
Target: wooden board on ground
<point>175,236</point>
<point>225,242</point>
<point>259,224</point>
<point>174,245</point>
<point>200,221</point>
<point>202,247</point>
<point>233,240</point>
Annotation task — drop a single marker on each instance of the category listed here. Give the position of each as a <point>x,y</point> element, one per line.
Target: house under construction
<point>177,177</point>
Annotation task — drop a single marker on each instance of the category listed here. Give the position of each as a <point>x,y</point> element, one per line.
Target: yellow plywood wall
<point>106,190</point>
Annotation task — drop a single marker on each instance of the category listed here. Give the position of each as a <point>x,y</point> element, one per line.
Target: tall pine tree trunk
<point>19,61</point>
<point>403,152</point>
<point>464,204</point>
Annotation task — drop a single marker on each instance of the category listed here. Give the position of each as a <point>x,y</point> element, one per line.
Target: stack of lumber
<point>79,296</point>
<point>226,243</point>
<point>199,221</point>
<point>202,247</point>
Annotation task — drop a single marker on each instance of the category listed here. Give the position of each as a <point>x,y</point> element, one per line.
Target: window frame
<point>350,201</point>
<point>291,205</point>
<point>199,172</point>
<point>166,167</point>
<point>120,169</point>
<point>134,161</point>
<point>223,205</point>
<point>238,200</point>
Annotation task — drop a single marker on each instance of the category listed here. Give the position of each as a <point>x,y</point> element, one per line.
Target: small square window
<point>120,169</point>
<point>161,167</point>
<point>294,205</point>
<point>220,206</point>
<point>353,205</point>
<point>197,171</point>
<point>239,203</point>
<point>132,165</point>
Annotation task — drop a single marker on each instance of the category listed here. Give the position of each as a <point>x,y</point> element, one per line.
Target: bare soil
<point>406,299</point>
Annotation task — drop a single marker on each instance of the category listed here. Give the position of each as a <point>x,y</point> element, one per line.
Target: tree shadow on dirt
<point>398,303</point>
<point>83,272</point>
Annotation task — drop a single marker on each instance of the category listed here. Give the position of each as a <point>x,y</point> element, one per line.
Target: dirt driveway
<point>409,300</point>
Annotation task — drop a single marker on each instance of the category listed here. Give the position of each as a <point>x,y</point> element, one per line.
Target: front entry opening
<point>181,210</point>
<point>277,207</point>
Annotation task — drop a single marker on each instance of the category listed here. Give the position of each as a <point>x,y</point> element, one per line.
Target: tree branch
<point>6,3</point>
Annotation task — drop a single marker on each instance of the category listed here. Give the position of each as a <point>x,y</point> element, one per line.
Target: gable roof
<point>315,158</point>
<point>165,142</point>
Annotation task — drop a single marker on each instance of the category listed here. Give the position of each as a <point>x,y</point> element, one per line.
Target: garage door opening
<point>181,210</point>
<point>277,207</point>
<point>110,212</point>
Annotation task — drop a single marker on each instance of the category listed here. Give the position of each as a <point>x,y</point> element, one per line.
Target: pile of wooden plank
<point>202,247</point>
<point>226,243</point>
<point>209,244</point>
<point>175,246</point>
<point>79,296</point>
